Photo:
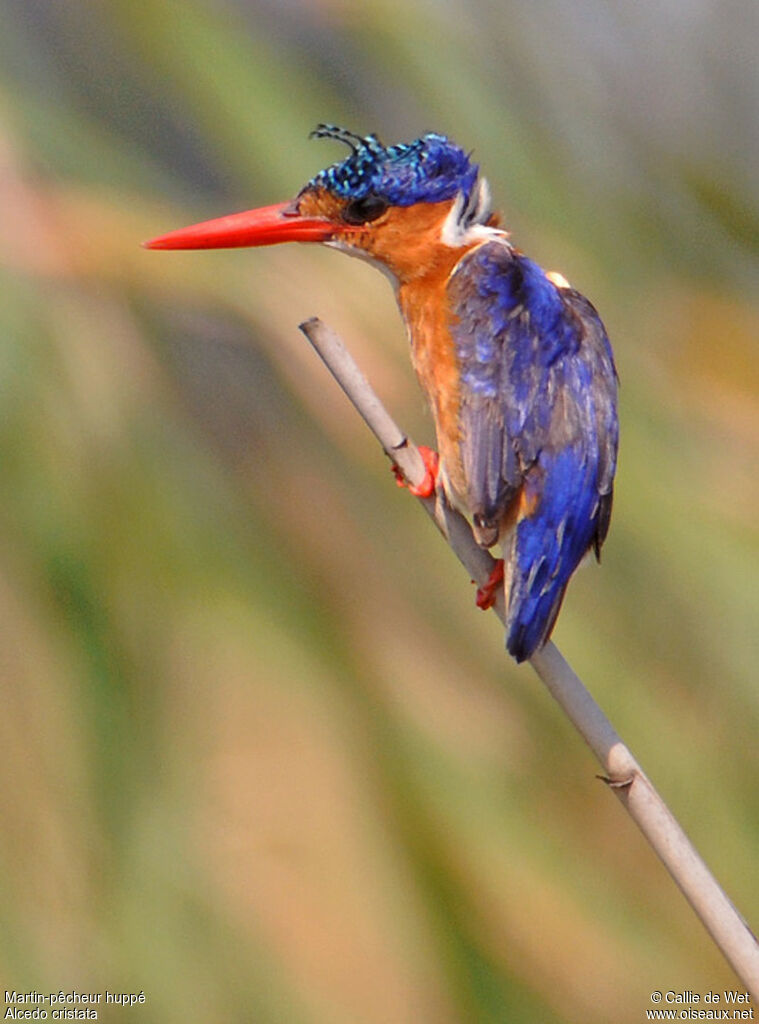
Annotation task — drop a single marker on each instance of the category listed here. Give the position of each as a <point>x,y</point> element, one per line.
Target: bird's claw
<point>426,488</point>
<point>486,594</point>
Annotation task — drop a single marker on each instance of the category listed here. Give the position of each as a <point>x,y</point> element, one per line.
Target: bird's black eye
<point>361,211</point>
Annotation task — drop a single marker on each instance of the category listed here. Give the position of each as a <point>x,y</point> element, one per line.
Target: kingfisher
<point>515,363</point>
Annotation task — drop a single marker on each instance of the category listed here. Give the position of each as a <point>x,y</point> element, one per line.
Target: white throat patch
<point>467,220</point>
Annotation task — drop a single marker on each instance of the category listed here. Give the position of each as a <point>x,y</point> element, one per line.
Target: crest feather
<point>428,170</point>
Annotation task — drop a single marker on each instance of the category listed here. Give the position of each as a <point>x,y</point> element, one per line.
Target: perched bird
<point>515,363</point>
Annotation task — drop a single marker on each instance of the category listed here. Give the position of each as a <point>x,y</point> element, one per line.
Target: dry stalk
<point>624,775</point>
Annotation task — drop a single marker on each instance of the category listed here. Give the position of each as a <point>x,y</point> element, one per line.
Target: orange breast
<point>425,308</point>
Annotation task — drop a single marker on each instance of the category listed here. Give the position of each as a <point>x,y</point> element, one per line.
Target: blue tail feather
<point>547,546</point>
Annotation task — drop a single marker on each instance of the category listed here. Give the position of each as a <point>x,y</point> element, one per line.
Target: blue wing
<point>538,427</point>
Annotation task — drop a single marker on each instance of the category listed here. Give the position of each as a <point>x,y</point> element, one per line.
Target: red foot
<point>486,594</point>
<point>426,488</point>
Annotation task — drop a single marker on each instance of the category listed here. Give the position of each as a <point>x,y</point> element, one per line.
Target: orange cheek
<point>407,240</point>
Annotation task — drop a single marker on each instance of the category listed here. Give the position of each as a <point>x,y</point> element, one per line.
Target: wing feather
<point>537,417</point>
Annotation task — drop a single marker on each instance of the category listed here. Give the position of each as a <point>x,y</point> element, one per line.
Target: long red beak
<point>265,226</point>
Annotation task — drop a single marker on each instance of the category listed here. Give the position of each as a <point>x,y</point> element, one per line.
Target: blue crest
<point>427,170</point>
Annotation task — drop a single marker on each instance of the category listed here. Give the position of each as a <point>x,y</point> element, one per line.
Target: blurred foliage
<point>260,757</point>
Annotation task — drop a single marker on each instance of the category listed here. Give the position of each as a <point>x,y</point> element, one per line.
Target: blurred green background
<point>260,756</point>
